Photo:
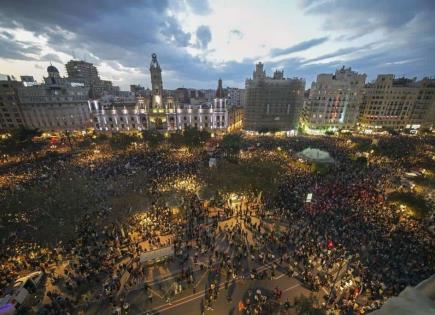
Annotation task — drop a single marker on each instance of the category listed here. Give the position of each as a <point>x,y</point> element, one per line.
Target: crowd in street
<point>348,240</point>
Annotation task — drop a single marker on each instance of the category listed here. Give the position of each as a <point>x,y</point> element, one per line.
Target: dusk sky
<point>198,41</point>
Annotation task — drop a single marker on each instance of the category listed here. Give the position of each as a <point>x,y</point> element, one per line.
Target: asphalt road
<point>190,302</point>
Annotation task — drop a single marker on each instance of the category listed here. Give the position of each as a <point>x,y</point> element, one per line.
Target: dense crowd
<point>348,239</point>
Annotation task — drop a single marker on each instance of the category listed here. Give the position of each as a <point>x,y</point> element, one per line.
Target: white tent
<point>315,155</point>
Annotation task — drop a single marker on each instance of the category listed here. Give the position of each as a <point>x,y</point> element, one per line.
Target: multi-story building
<point>86,73</point>
<point>161,111</point>
<point>235,118</point>
<point>423,112</point>
<point>82,71</point>
<point>397,104</point>
<point>10,110</point>
<point>236,96</point>
<point>273,103</point>
<point>55,105</point>
<point>334,100</point>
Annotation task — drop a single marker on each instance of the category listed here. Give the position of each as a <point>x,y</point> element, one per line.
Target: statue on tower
<point>156,83</point>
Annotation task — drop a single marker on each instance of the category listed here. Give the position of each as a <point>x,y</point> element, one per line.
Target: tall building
<point>161,111</point>
<point>397,104</point>
<point>334,100</point>
<point>423,112</point>
<point>82,71</point>
<point>55,105</point>
<point>10,110</point>
<point>86,74</point>
<point>273,103</point>
<point>236,97</point>
<point>156,83</point>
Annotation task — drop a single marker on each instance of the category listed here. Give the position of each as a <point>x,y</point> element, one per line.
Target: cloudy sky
<point>198,41</point>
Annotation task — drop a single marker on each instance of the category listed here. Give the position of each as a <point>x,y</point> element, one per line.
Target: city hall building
<point>160,111</point>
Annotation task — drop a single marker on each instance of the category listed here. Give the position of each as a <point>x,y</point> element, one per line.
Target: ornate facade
<point>160,111</point>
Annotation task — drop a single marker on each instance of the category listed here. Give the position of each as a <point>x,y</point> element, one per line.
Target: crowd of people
<point>349,239</point>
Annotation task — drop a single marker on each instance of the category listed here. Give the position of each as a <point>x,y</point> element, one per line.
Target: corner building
<point>334,100</point>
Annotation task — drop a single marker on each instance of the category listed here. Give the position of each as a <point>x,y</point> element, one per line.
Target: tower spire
<point>220,91</point>
<point>156,82</point>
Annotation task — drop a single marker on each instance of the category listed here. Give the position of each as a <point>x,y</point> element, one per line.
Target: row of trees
<point>190,137</point>
<point>27,139</point>
<point>21,139</point>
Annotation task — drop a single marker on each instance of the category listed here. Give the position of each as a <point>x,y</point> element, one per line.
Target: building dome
<point>52,68</point>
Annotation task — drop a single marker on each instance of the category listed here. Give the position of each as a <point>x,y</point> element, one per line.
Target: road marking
<point>185,300</point>
<point>155,293</point>
<point>202,277</point>
<point>279,277</point>
<point>192,297</point>
<point>292,287</point>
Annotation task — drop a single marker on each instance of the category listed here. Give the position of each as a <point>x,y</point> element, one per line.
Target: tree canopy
<point>232,143</point>
<point>193,137</point>
<point>121,140</point>
<point>21,139</point>
<point>252,175</point>
<point>152,137</point>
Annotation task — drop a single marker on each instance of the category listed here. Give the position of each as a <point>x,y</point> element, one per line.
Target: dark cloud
<point>407,29</point>
<point>340,53</point>
<point>123,31</point>
<point>14,49</point>
<point>173,32</point>
<point>123,34</point>
<point>298,47</point>
<point>368,15</point>
<point>203,36</point>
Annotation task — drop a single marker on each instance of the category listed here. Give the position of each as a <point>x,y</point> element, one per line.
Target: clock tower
<point>156,83</point>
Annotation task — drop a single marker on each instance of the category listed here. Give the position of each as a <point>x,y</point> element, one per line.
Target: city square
<point>217,157</point>
<point>241,233</point>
